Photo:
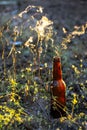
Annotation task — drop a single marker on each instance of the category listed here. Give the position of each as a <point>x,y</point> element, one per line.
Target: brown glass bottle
<point>58,88</point>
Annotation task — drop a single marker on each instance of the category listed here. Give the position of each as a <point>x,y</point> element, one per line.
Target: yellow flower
<point>13,82</point>
<point>74,99</point>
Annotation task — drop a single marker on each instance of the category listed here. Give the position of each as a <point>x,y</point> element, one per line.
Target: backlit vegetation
<point>27,48</point>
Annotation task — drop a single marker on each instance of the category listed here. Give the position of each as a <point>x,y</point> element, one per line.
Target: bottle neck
<point>57,72</point>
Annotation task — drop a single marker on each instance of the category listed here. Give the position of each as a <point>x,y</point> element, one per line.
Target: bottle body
<point>58,90</point>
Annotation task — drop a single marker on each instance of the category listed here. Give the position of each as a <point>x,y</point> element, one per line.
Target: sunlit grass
<point>23,95</point>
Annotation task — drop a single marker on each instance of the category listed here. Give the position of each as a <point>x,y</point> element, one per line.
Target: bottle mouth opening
<point>56,59</point>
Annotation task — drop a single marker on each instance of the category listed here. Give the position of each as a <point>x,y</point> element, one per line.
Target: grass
<point>26,72</point>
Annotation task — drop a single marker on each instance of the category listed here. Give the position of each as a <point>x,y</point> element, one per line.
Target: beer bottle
<point>58,88</point>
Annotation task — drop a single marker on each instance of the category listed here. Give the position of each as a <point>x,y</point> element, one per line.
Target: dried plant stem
<point>3,58</point>
<point>72,110</point>
<point>14,62</point>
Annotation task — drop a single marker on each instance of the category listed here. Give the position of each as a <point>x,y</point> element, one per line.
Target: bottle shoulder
<point>56,83</point>
<point>58,86</point>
